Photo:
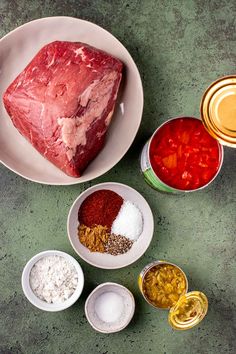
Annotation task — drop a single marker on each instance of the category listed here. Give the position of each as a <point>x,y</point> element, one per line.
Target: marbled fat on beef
<point>63,101</point>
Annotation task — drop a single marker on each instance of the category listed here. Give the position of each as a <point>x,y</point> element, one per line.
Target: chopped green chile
<point>183,155</point>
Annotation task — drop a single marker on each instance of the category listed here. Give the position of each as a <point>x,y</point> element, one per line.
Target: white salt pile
<point>129,221</point>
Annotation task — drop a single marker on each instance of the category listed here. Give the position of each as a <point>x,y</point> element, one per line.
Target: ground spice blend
<point>100,208</point>
<point>94,238</point>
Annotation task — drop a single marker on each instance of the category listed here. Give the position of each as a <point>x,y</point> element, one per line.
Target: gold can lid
<point>218,110</point>
<point>190,309</point>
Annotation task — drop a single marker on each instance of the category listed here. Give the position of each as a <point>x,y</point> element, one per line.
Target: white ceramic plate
<point>103,260</point>
<point>17,49</point>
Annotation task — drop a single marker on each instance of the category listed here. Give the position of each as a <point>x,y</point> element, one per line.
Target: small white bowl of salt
<point>52,280</point>
<point>110,307</point>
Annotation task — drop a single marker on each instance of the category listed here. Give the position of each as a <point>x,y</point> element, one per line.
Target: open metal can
<point>218,110</point>
<point>145,271</point>
<point>187,310</point>
<point>151,176</point>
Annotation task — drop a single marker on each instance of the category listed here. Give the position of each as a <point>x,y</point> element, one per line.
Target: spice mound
<point>163,285</point>
<point>108,223</point>
<point>53,279</point>
<point>117,244</point>
<point>94,238</point>
<point>100,208</point>
<point>129,221</point>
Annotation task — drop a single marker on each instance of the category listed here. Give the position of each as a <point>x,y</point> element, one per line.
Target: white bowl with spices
<point>110,307</point>
<point>126,234</point>
<point>52,280</point>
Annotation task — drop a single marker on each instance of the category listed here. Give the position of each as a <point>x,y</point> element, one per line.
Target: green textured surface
<point>180,47</point>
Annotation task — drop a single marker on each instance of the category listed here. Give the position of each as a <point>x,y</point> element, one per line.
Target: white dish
<point>17,49</point>
<point>104,260</point>
<point>129,307</point>
<point>43,305</point>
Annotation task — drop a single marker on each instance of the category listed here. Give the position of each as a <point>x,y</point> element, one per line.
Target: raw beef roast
<point>63,101</point>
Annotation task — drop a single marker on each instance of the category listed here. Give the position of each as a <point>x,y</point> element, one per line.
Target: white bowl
<point>129,307</point>
<point>43,305</point>
<point>17,49</point>
<point>104,260</point>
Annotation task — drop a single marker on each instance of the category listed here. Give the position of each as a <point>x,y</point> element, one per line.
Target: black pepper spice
<point>118,244</point>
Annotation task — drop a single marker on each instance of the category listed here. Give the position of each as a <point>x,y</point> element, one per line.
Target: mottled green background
<point>180,47</point>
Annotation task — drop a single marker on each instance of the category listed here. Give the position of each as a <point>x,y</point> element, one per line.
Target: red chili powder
<point>100,208</point>
<point>184,155</point>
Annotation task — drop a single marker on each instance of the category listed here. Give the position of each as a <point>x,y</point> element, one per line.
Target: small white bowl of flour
<point>52,280</point>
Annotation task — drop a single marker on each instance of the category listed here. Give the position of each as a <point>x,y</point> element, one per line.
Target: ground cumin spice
<point>100,208</point>
<point>94,238</point>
